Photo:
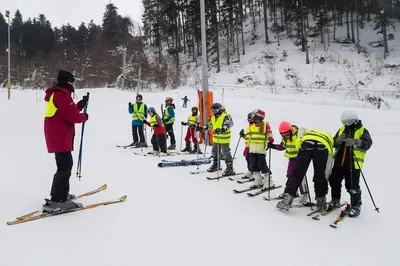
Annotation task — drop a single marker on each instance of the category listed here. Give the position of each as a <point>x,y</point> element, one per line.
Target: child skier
<point>352,141</point>
<point>258,136</point>
<point>158,138</point>
<point>169,119</point>
<point>248,174</point>
<point>222,124</point>
<point>193,122</point>
<point>290,144</point>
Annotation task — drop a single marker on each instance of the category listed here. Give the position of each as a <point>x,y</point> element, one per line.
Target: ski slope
<point>174,218</point>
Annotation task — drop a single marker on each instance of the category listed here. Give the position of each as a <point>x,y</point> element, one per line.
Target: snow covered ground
<point>174,218</point>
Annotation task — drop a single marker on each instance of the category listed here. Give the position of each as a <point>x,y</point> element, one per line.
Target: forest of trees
<point>170,37</point>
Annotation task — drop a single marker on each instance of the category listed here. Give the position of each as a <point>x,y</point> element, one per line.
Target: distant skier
<point>291,135</point>
<point>59,129</point>
<point>193,122</point>
<point>379,103</point>
<point>139,113</point>
<point>158,138</point>
<point>351,139</point>
<point>185,101</point>
<point>168,119</point>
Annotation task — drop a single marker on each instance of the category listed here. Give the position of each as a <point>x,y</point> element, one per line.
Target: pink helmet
<point>285,126</point>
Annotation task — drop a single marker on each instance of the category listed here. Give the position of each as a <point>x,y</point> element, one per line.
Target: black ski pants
<point>60,186</point>
<point>170,131</point>
<point>159,143</point>
<point>138,137</point>
<point>351,180</point>
<point>258,163</point>
<point>310,151</point>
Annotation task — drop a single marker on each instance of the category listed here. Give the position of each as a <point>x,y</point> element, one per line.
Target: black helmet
<point>139,96</point>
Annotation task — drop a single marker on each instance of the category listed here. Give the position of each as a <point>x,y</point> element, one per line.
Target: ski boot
<point>153,152</point>
<point>335,203</point>
<point>267,181</point>
<point>187,148</point>
<point>286,202</point>
<point>304,198</point>
<point>321,204</point>
<point>172,147</point>
<point>248,175</point>
<point>258,182</point>
<point>213,168</point>
<point>194,151</point>
<point>71,197</point>
<point>355,198</point>
<point>56,206</point>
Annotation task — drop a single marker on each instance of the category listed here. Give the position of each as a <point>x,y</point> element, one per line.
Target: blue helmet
<point>216,106</point>
<point>249,115</point>
<point>152,110</point>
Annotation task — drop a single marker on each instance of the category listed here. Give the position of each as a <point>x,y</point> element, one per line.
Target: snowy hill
<point>336,68</point>
<point>174,218</point>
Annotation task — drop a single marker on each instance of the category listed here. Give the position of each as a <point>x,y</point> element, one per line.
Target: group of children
<point>345,151</point>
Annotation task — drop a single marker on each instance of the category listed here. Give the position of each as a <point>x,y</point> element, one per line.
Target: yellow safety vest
<point>246,137</point>
<point>358,153</point>
<point>256,137</point>
<point>222,138</point>
<point>320,136</point>
<point>192,120</point>
<point>153,120</point>
<point>51,108</point>
<point>166,114</point>
<point>291,145</point>
<point>138,114</point>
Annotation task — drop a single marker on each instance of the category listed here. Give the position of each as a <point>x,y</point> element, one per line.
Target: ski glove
<point>183,123</point>
<point>341,139</point>
<point>241,133</point>
<point>82,103</point>
<point>130,105</point>
<point>246,151</point>
<point>219,130</point>
<point>271,145</point>
<point>351,142</point>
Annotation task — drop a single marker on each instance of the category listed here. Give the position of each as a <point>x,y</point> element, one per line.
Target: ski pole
<point>269,175</point>
<point>237,145</point>
<point>181,135</point>
<point>365,181</point>
<point>218,163</point>
<point>309,195</point>
<point>197,136</point>
<point>79,165</point>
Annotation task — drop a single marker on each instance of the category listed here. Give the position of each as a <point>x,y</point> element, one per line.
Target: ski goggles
<point>349,122</point>
<point>286,134</point>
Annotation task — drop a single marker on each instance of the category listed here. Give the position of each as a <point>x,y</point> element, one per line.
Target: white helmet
<point>349,118</point>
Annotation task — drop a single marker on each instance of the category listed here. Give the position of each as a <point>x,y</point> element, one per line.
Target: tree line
<point>170,37</point>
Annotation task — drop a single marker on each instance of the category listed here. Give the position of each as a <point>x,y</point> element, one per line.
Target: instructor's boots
<point>321,204</point>
<point>55,206</point>
<point>286,202</point>
<point>187,148</point>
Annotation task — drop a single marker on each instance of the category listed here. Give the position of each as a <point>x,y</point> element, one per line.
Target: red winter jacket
<point>59,130</point>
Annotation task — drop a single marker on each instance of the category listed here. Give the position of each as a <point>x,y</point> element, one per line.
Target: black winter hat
<point>65,76</point>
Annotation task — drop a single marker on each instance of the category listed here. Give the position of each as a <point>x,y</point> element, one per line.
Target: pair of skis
<point>165,163</point>
<point>36,215</point>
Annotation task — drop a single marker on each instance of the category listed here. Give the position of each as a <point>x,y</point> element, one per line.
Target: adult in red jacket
<point>59,129</point>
